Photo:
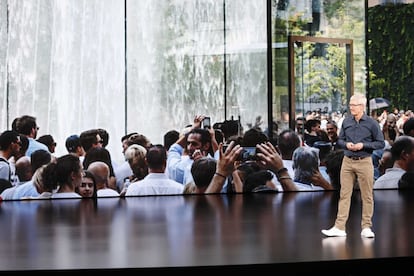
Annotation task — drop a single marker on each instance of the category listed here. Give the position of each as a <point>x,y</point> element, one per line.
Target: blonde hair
<point>135,155</point>
<point>37,179</point>
<point>135,151</point>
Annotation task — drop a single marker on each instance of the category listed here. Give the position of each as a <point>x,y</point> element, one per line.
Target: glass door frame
<point>348,43</point>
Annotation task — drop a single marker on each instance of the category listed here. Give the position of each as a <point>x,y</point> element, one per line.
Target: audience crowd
<point>198,159</point>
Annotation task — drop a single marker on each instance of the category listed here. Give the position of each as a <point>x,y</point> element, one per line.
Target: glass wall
<point>151,66</point>
<point>324,63</point>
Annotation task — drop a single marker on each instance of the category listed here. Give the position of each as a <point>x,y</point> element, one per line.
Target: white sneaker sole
<point>330,234</point>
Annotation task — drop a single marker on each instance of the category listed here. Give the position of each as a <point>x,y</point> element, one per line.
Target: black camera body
<point>247,154</point>
<point>206,123</point>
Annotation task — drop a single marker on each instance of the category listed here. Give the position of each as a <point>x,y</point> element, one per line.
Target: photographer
<point>198,142</point>
<point>266,157</point>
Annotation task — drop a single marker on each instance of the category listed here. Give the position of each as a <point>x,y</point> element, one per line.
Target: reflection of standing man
<point>360,135</point>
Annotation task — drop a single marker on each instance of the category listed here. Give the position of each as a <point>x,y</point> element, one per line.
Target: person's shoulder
<point>107,192</point>
<point>389,175</point>
<point>39,145</point>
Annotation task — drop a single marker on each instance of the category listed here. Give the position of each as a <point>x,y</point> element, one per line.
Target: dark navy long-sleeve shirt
<point>366,131</point>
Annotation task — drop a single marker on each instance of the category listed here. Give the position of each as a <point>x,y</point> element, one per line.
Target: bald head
<point>101,173</point>
<point>24,169</point>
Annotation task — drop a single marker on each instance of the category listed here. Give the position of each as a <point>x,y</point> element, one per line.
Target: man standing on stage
<point>360,135</point>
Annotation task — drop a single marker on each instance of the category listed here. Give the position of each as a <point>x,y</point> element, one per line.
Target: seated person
<point>259,182</point>
<point>306,170</point>
<point>402,152</point>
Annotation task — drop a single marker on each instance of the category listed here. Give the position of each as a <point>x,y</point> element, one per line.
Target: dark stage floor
<point>213,232</point>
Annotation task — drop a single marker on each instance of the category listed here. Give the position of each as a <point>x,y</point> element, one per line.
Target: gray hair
<point>305,162</point>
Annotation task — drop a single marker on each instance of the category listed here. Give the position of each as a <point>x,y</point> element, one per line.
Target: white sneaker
<point>334,232</point>
<point>367,233</point>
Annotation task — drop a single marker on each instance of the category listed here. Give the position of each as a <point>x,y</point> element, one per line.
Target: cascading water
<point>64,63</point>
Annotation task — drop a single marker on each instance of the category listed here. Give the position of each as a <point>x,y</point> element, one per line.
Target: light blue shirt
<point>26,189</point>
<point>35,145</point>
<point>178,165</point>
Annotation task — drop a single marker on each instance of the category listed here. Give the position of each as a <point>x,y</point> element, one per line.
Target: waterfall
<point>62,61</point>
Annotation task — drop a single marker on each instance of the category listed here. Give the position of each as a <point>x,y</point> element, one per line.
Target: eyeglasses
<point>86,184</point>
<point>100,141</point>
<point>354,105</point>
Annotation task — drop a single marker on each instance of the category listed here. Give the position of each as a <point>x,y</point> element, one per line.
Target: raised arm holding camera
<point>225,167</point>
<point>198,142</point>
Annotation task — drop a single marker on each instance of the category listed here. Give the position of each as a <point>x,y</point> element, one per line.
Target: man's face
<point>391,122</point>
<point>300,126</point>
<point>355,107</point>
<point>194,143</point>
<point>124,145</point>
<point>330,129</point>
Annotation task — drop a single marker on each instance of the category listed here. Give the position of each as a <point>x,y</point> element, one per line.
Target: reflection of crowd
<point>197,160</point>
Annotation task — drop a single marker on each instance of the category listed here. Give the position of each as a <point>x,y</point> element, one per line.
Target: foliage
<point>391,54</point>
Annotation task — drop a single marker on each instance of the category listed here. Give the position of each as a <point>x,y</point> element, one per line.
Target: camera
<point>247,154</point>
<point>206,123</point>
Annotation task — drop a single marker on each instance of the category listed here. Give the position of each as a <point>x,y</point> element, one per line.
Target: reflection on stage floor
<point>249,231</point>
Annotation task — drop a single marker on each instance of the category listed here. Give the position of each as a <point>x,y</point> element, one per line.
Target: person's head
<point>156,158</point>
<point>24,169</point>
<point>98,154</point>
<point>10,143</point>
<point>408,127</point>
<point>289,140</point>
<point>391,121</point>
<point>124,140</point>
<point>243,170</point>
<point>170,137</point>
<point>203,170</point>
<point>312,125</point>
<point>332,128</point>
<point>139,139</point>
<point>73,145</point>
<point>101,172</point>
<point>135,156</point>
<point>87,188</point>
<point>402,152</point>
<point>103,133</point>
<point>39,158</point>
<point>198,139</point>
<point>26,125</point>
<point>65,173</point>
<point>254,136</point>
<point>37,179</point>
<point>357,105</point>
<point>90,139</point>
<point>23,147</point>
<point>305,163</point>
<point>300,124</point>
<point>385,161</point>
<point>49,141</point>
<point>260,181</point>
